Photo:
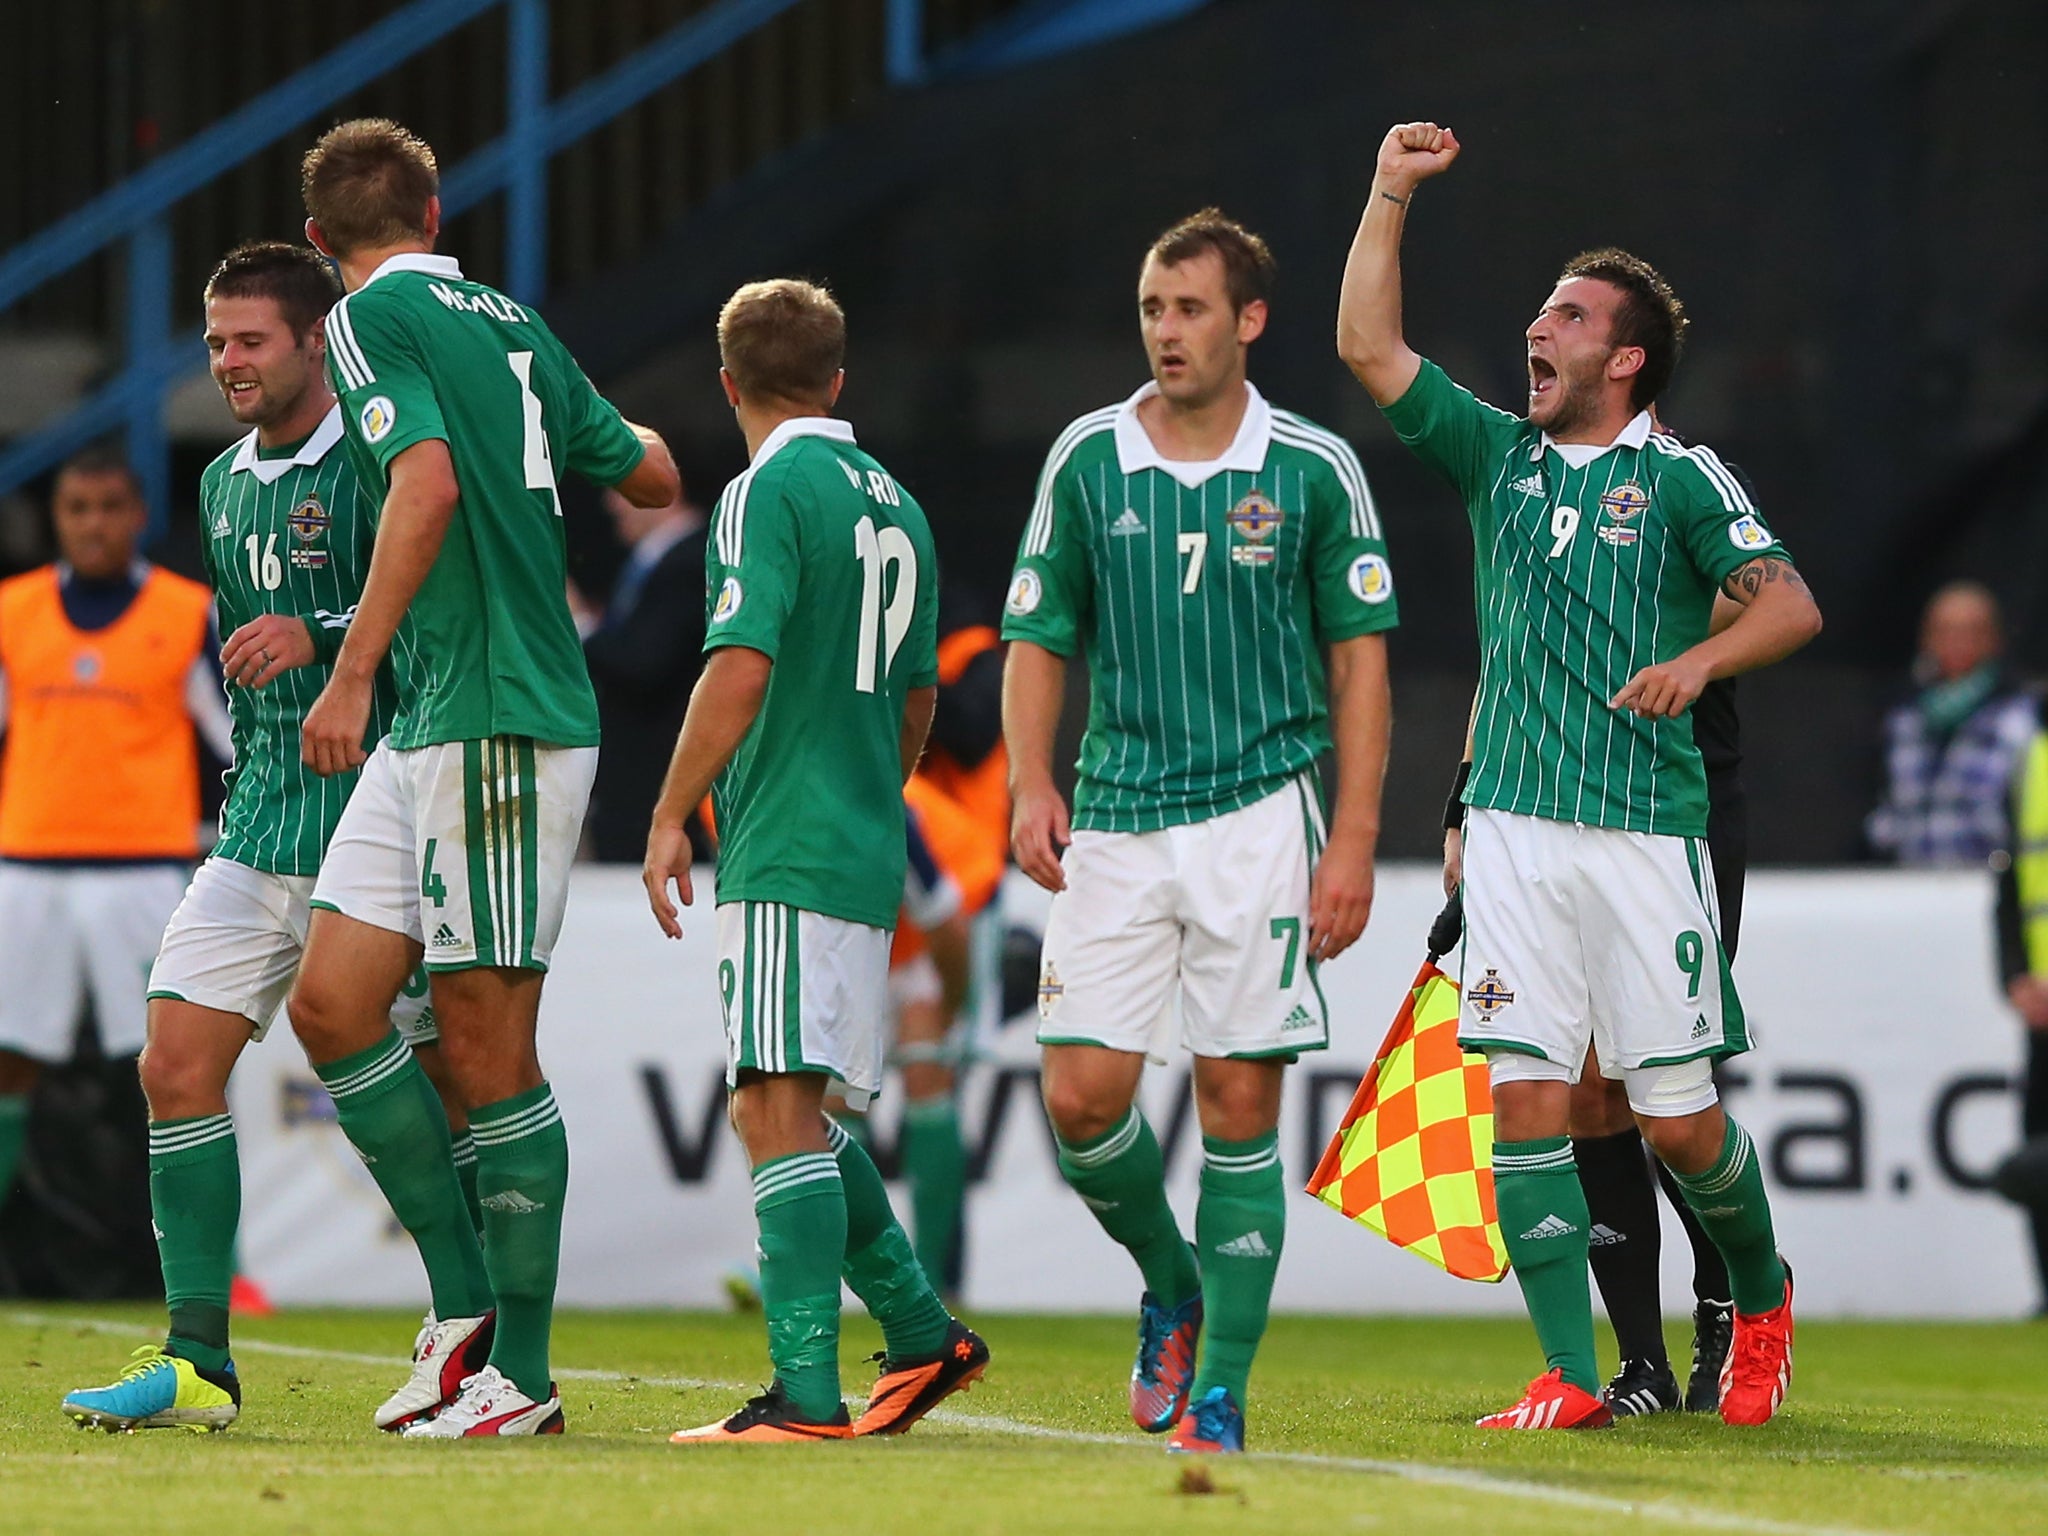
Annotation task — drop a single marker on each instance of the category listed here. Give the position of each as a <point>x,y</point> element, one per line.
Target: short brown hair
<point>1247,263</point>
<point>1649,315</point>
<point>96,460</point>
<point>784,339</point>
<point>367,183</point>
<point>295,277</point>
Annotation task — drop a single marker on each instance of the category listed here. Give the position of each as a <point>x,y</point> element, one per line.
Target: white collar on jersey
<point>311,451</point>
<point>416,261</point>
<point>1135,449</point>
<point>789,431</point>
<point>1579,455</point>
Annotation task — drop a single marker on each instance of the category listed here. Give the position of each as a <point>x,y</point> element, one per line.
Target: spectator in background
<point>1951,749</point>
<point>106,667</point>
<point>644,647</point>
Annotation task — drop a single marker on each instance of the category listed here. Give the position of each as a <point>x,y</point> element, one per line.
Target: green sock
<point>522,1178</point>
<point>1240,1223</point>
<point>195,1198</point>
<point>1122,1178</point>
<point>462,1146</point>
<point>13,1135</point>
<point>879,1265</point>
<point>801,1206</point>
<point>936,1161</point>
<point>1544,1222</point>
<point>392,1116</point>
<point>1730,1202</point>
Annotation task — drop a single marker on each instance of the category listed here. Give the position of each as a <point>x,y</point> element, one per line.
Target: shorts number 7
<point>1288,928</point>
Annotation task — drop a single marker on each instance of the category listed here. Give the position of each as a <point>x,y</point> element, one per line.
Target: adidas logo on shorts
<point>1130,523</point>
<point>1700,1028</point>
<point>446,938</point>
<point>1301,1018</point>
<point>1550,1226</point>
<point>1251,1246</point>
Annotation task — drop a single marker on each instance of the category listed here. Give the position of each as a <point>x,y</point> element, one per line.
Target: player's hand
<point>1664,691</point>
<point>264,647</point>
<point>331,740</point>
<point>1038,831</point>
<point>1414,152</point>
<point>2029,998</point>
<point>1454,860</point>
<point>668,859</point>
<point>1339,898</point>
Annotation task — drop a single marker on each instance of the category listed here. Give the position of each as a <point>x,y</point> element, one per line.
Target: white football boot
<point>443,1356</point>
<point>488,1405</point>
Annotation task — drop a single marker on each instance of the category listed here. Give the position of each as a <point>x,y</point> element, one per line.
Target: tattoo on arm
<point>1743,584</point>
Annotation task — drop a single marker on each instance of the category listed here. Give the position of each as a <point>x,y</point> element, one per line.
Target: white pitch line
<point>1428,1473</point>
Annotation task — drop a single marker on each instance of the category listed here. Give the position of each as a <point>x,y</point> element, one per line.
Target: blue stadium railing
<point>137,211</point>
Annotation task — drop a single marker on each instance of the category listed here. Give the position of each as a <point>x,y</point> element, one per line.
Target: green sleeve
<point>327,630</point>
<point>1453,431</point>
<point>1351,584</point>
<point>1713,515</point>
<point>1052,588</point>
<point>600,446</point>
<point>923,640</point>
<point>388,401</point>
<point>753,563</point>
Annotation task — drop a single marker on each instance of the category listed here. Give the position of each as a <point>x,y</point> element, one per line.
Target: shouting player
<point>810,713</point>
<point>285,537</point>
<point>458,406</point>
<point>1222,563</point>
<point>1589,895</point>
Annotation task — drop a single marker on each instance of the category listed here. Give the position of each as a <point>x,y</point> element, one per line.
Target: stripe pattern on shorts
<point>501,811</point>
<point>771,994</point>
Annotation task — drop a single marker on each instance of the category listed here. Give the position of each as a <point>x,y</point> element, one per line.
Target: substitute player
<point>103,680</point>
<point>1589,900</point>
<point>1222,562</point>
<point>810,714</point>
<point>458,405</point>
<point>285,536</point>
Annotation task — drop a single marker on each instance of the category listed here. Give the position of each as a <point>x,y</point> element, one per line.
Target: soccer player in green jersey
<point>1590,914</point>
<point>458,407</point>
<point>1221,561</point>
<point>812,709</point>
<point>285,537</point>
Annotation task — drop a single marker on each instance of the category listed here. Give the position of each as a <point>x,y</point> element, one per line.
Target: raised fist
<point>1413,152</point>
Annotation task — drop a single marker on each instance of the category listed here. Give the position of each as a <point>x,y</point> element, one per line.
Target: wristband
<point>1454,808</point>
<point>1403,201</point>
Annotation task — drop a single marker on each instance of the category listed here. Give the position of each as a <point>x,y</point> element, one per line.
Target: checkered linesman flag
<point>1413,1159</point>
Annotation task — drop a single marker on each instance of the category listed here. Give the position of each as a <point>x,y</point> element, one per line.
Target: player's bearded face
<point>1192,332</point>
<point>1569,348</point>
<point>262,369</point>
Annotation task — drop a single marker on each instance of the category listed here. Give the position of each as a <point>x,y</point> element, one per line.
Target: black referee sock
<point>1709,1269</point>
<point>1621,1199</point>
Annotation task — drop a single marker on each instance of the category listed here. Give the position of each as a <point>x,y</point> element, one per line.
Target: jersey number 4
<point>882,629</point>
<point>533,452</point>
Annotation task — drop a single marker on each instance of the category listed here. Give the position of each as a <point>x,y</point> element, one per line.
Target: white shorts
<point>803,992</point>
<point>1578,935</point>
<point>1214,912</point>
<point>64,929</point>
<point>234,945</point>
<point>463,847</point>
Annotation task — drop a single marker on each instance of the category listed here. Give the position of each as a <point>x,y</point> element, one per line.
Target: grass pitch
<point>1356,1424</point>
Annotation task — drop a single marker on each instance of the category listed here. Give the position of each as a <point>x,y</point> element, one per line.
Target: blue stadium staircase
<point>136,215</point>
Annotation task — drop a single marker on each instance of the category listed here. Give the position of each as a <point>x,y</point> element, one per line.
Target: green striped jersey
<point>1591,564</point>
<point>488,647</point>
<point>1203,594</point>
<point>286,532</point>
<point>824,564</point>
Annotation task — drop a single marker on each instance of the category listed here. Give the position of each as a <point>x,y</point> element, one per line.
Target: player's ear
<point>432,223</point>
<point>1625,362</point>
<point>732,389</point>
<point>316,335</point>
<point>1251,322</point>
<point>832,390</point>
<point>319,240</point>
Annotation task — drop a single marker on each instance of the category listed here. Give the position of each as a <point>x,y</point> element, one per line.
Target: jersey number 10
<point>877,549</point>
